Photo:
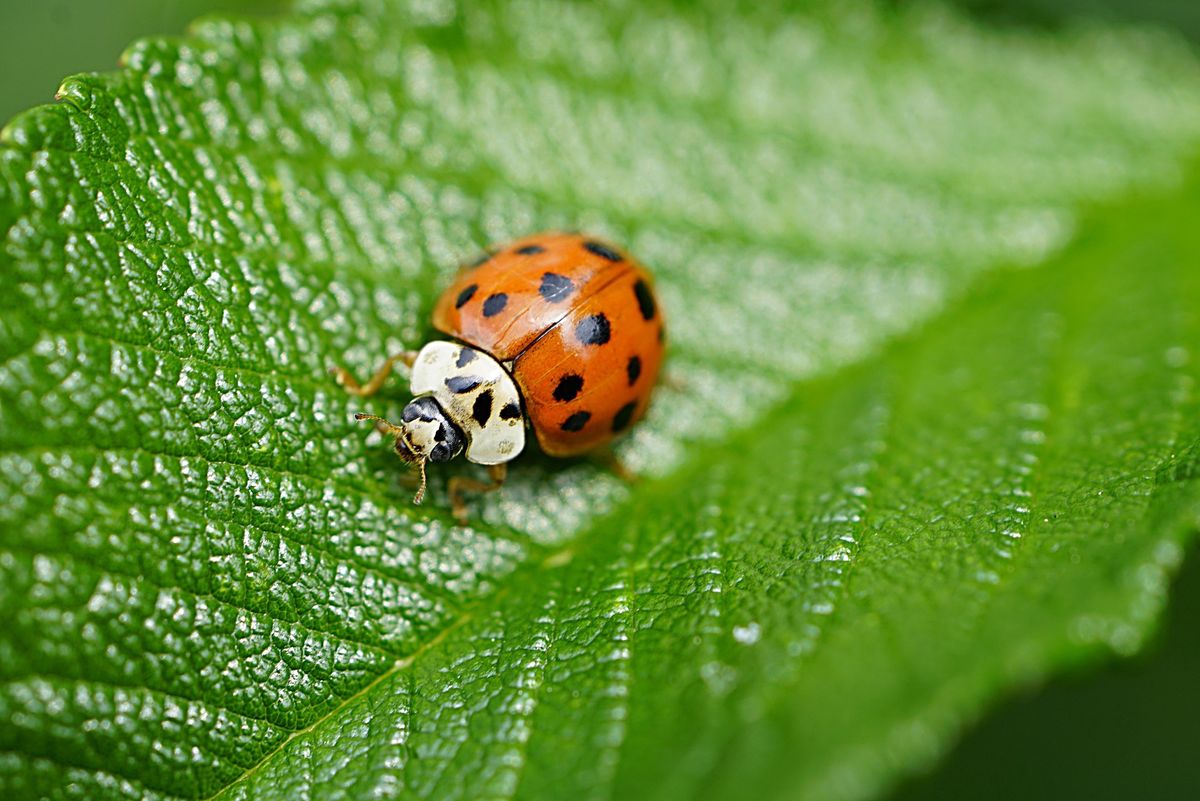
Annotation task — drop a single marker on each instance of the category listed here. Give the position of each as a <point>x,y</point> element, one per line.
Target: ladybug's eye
<point>449,442</point>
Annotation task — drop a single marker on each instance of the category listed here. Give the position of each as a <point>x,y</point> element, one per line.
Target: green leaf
<point>918,448</point>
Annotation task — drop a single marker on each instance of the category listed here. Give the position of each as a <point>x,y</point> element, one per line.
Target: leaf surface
<point>901,468</point>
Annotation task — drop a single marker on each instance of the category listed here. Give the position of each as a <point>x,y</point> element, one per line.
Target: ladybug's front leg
<point>459,484</point>
<point>351,385</point>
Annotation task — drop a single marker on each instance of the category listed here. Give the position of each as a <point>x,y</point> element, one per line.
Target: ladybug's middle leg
<point>460,484</point>
<point>351,385</point>
<point>606,457</point>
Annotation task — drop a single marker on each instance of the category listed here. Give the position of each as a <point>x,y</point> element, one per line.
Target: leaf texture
<point>917,451</point>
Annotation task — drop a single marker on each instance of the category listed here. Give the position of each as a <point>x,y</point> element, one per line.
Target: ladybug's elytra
<point>559,332</point>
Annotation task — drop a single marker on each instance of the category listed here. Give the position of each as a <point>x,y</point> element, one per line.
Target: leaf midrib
<point>397,666</point>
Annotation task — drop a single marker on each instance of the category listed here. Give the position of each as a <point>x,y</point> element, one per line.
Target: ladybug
<point>556,333</point>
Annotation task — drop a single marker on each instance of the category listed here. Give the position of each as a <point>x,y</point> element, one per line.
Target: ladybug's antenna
<point>405,452</point>
<point>420,496</point>
<point>383,425</point>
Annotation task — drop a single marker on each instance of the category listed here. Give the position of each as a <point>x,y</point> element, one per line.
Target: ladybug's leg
<point>351,385</point>
<point>673,380</point>
<point>460,484</point>
<point>608,458</point>
<point>484,256</point>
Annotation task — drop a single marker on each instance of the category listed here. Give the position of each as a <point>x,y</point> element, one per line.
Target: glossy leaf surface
<point>918,448</point>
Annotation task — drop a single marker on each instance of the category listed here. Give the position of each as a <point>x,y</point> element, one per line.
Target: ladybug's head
<point>425,434</point>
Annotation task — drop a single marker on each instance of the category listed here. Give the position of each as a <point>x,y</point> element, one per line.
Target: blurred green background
<point>43,41</point>
<point>1131,731</point>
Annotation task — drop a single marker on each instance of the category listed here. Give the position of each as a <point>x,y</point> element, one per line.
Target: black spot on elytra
<point>568,387</point>
<point>463,383</point>
<point>482,410</point>
<point>576,421</point>
<point>494,304</point>
<point>466,295</point>
<point>530,250</point>
<point>556,287</point>
<point>633,369</point>
<point>603,251</point>
<point>440,435</point>
<point>623,416</point>
<point>645,299</point>
<point>511,411</point>
<point>465,356</point>
<point>593,330</point>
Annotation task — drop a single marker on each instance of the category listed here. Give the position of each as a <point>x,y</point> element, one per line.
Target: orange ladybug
<point>556,332</point>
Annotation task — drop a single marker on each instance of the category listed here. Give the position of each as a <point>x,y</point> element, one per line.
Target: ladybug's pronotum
<point>557,332</point>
